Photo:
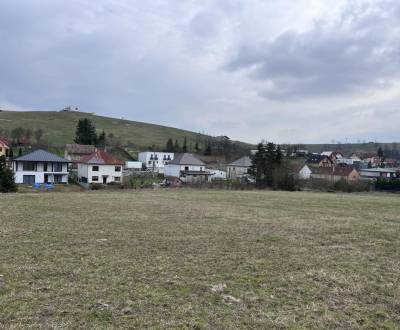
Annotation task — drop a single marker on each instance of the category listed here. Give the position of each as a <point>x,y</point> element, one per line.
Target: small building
<point>217,174</point>
<point>301,171</point>
<point>239,168</point>
<point>319,160</point>
<point>74,152</point>
<point>186,168</point>
<point>4,147</point>
<point>99,167</point>
<point>379,173</point>
<point>134,166</point>
<point>155,160</point>
<point>40,166</point>
<point>335,174</point>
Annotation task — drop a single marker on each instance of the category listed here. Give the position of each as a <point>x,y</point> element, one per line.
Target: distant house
<point>301,171</point>
<point>334,156</point>
<point>335,174</point>
<point>319,160</point>
<point>99,167</point>
<point>383,173</point>
<point>74,152</point>
<point>217,174</point>
<point>40,166</point>
<point>134,166</point>
<point>155,160</point>
<point>186,168</point>
<point>239,168</point>
<point>4,147</point>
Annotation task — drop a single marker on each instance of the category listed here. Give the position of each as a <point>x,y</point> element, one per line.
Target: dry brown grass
<point>199,259</point>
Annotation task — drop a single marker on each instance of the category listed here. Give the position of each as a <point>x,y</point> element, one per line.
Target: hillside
<point>59,128</point>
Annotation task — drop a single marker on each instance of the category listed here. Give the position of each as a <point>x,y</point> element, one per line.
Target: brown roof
<point>80,149</point>
<point>100,157</point>
<point>4,141</point>
<point>337,171</point>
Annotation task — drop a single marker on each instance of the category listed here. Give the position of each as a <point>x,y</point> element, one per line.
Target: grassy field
<point>199,259</point>
<point>59,128</point>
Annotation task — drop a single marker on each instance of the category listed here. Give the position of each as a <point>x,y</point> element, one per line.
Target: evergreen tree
<point>196,148</point>
<point>169,147</point>
<point>7,181</point>
<point>184,147</point>
<point>19,152</point>
<point>208,150</point>
<point>11,153</point>
<point>85,132</point>
<point>101,140</point>
<point>177,148</point>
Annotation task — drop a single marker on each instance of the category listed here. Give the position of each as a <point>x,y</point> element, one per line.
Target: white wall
<point>158,165</point>
<point>174,170</point>
<point>85,170</point>
<point>39,173</point>
<point>305,173</point>
<point>235,172</point>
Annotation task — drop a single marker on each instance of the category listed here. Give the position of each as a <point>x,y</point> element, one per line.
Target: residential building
<point>301,171</point>
<point>186,168</point>
<point>4,147</point>
<point>217,174</point>
<point>132,165</point>
<point>40,166</point>
<point>239,168</point>
<point>335,174</point>
<point>319,160</point>
<point>74,152</point>
<point>155,160</point>
<point>376,173</point>
<point>99,167</point>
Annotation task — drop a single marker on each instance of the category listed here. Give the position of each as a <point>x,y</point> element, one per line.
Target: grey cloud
<point>360,50</point>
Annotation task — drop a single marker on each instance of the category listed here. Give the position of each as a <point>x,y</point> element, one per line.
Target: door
<point>29,179</point>
<point>104,179</point>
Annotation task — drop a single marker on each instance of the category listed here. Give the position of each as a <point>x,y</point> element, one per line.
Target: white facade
<point>237,172</point>
<point>102,174</point>
<point>217,174</point>
<point>175,170</point>
<point>133,165</point>
<point>346,161</point>
<point>154,160</point>
<point>375,173</point>
<point>40,172</point>
<point>304,173</point>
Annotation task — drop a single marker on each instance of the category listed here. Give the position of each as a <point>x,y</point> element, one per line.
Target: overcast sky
<point>283,70</point>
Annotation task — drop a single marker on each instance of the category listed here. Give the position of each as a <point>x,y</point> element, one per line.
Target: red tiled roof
<point>4,141</point>
<point>100,157</point>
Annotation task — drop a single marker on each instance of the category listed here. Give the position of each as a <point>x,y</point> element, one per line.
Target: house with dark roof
<point>74,152</point>
<point>239,168</point>
<point>99,167</point>
<point>187,168</point>
<point>40,166</point>
<point>319,160</point>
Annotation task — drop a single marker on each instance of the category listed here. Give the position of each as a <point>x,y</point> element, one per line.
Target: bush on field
<point>388,184</point>
<point>342,185</point>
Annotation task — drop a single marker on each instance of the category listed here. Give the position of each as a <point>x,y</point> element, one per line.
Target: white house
<point>132,165</point>
<point>40,166</point>
<point>239,168</point>
<point>99,168</point>
<point>302,171</point>
<point>217,174</point>
<point>187,168</point>
<point>155,160</point>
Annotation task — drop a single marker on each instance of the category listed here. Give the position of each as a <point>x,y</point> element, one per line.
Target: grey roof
<point>242,162</point>
<point>41,156</point>
<point>186,159</point>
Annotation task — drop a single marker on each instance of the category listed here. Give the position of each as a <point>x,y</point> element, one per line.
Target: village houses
<point>187,168</point>
<point>239,168</point>
<point>99,167</point>
<point>155,160</point>
<point>40,166</point>
<point>4,147</point>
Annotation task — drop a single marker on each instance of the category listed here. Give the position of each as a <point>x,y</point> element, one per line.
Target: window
<point>29,166</point>
<point>29,179</point>
<point>149,162</point>
<point>117,168</point>
<point>95,168</point>
<point>84,179</point>
<point>1,149</point>
<point>45,167</point>
<point>57,167</point>
<point>117,179</point>
<point>186,168</point>
<point>95,178</point>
